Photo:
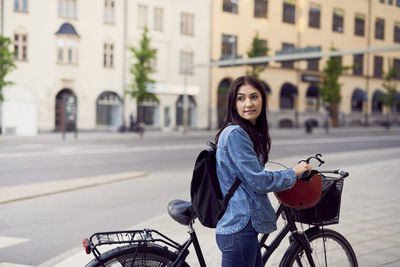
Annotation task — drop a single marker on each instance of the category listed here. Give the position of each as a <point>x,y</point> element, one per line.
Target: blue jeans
<point>240,249</point>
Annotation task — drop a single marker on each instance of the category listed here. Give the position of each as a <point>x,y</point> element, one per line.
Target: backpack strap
<point>228,196</point>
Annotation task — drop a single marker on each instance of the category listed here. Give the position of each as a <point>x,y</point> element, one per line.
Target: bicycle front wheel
<point>328,248</point>
<point>136,255</point>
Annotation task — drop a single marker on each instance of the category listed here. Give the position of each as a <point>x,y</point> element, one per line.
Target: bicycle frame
<point>289,227</point>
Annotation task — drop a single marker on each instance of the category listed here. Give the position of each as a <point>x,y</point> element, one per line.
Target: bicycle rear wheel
<point>136,255</point>
<point>338,250</point>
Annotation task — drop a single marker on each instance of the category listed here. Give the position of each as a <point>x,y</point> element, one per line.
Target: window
<point>229,46</point>
<point>21,46</point>
<point>390,2</point>
<point>187,23</point>
<point>67,8</point>
<point>359,24</point>
<point>396,66</point>
<point>158,19</point>
<point>398,3</point>
<point>109,11</point>
<point>382,1</point>
<point>21,5</point>
<point>289,11</point>
<point>67,48</point>
<point>313,64</point>
<point>186,60</point>
<point>142,16</point>
<point>260,8</point>
<point>379,29</point>
<point>287,64</point>
<point>230,6</point>
<point>358,64</point>
<point>378,66</point>
<point>108,57</point>
<point>396,32</point>
<point>338,15</point>
<point>314,16</point>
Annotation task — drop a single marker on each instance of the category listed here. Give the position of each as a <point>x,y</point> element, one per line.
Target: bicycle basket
<point>327,210</point>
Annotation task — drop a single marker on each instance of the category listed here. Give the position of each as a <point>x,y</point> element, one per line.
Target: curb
<point>27,191</point>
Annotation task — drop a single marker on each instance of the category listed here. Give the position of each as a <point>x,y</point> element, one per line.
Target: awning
<point>266,87</point>
<point>359,95</point>
<point>396,97</point>
<point>312,91</point>
<point>288,89</point>
<point>67,28</point>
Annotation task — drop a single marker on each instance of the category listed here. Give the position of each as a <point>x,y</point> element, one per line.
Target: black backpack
<point>208,203</point>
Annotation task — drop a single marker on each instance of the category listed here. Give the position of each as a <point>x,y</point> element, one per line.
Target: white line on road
<point>64,151</point>
<point>6,241</point>
<point>7,264</point>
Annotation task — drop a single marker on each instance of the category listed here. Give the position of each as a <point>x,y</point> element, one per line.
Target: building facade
<point>73,63</point>
<point>290,26</point>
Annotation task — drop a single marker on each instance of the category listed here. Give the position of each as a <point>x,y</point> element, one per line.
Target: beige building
<point>72,59</point>
<point>294,26</point>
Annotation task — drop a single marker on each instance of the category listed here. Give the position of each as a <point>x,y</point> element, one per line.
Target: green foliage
<point>390,86</point>
<point>6,62</point>
<point>142,69</point>
<point>257,50</point>
<point>330,86</point>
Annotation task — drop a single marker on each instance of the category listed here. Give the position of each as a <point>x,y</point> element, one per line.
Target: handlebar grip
<point>343,173</point>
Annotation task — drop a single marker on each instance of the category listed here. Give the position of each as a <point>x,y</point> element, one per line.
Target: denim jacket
<point>236,158</point>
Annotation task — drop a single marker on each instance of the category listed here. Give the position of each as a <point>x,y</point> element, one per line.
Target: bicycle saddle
<point>181,211</point>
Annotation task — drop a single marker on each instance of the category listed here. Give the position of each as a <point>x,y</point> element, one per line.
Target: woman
<point>243,144</point>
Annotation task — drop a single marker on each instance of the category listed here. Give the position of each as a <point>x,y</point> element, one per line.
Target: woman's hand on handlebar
<point>302,168</point>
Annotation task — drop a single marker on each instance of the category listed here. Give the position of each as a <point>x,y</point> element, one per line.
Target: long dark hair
<point>254,131</point>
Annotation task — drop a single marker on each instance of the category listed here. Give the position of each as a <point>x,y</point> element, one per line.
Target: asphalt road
<point>45,227</point>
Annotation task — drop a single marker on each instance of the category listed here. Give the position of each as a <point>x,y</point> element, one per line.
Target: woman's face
<point>249,103</point>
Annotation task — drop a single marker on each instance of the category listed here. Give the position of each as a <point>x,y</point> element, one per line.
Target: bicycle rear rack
<point>140,237</point>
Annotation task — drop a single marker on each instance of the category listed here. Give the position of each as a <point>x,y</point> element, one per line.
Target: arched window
<point>396,103</point>
<point>66,110</point>
<point>312,99</point>
<point>357,99</point>
<point>377,101</point>
<point>109,109</point>
<point>267,91</point>
<point>288,94</point>
<point>223,89</point>
<point>191,111</point>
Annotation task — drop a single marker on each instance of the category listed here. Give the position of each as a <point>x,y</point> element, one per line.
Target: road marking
<point>65,151</point>
<point>7,264</point>
<point>27,191</point>
<point>6,241</point>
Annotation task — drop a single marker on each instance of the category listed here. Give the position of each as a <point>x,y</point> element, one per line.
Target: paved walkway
<point>370,217</point>
<point>370,214</point>
<point>97,136</point>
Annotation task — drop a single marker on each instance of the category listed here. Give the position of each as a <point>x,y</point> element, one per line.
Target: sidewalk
<point>370,216</point>
<point>151,134</point>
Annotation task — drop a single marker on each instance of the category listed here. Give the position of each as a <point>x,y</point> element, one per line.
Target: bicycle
<point>316,246</point>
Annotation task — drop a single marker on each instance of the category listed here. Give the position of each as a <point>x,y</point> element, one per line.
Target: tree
<point>258,49</point>
<point>388,99</point>
<point>141,71</point>
<point>330,86</point>
<point>6,63</point>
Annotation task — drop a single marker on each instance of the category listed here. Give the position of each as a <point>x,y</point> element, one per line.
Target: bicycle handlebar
<point>306,176</point>
<point>342,173</point>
